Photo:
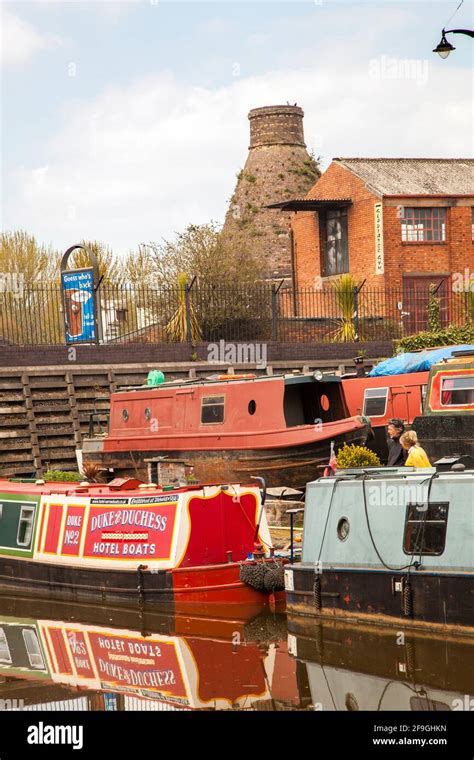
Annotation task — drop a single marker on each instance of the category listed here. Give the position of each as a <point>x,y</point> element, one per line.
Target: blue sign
<point>79,306</point>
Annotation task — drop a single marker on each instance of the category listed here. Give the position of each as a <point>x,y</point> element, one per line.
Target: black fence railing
<point>261,312</point>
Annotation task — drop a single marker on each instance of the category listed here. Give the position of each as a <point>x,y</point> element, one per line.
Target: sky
<point>124,122</point>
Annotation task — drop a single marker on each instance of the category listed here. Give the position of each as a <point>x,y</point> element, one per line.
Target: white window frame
<point>380,395</point>
<point>39,664</point>
<point>32,511</point>
<point>450,377</point>
<point>4,642</point>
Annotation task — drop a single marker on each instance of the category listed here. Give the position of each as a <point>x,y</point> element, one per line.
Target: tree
<point>227,297</point>
<point>111,267</point>
<point>29,307</point>
<point>22,255</point>
<point>201,251</point>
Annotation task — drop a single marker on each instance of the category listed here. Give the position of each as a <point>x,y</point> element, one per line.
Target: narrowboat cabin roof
<point>295,378</point>
<point>48,488</point>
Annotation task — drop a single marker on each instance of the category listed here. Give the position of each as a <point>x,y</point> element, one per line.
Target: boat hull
<point>438,600</point>
<point>445,435</point>
<point>213,589</point>
<point>292,466</point>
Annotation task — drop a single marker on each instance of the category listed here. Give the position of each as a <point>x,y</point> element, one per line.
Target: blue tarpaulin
<point>416,361</point>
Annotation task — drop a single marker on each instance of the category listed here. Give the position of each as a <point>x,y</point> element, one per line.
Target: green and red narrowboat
<point>229,428</point>
<point>446,427</point>
<point>190,549</point>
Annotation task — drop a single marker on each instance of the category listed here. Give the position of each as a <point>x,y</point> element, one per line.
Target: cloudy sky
<point>126,121</point>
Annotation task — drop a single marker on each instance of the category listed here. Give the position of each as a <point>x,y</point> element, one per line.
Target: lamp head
<point>444,47</point>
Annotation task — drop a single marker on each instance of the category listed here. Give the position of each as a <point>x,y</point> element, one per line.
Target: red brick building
<point>397,223</point>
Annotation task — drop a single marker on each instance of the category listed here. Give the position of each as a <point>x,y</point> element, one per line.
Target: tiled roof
<point>414,176</point>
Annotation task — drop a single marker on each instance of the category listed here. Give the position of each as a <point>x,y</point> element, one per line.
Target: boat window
<point>343,528</point>
<point>425,528</point>
<point>252,407</point>
<point>212,410</point>
<point>125,415</point>
<point>375,402</point>
<point>5,655</point>
<point>25,526</point>
<point>457,391</point>
<point>33,648</point>
<point>424,388</point>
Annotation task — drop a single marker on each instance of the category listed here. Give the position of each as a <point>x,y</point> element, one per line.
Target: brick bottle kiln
<point>278,166</point>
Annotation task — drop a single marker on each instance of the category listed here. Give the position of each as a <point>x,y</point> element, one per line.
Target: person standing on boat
<point>396,453</point>
<point>417,457</point>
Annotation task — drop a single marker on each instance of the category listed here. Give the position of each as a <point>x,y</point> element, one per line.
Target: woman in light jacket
<point>417,456</point>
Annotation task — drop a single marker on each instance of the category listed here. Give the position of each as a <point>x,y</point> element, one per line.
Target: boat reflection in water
<point>63,657</point>
<point>353,667</point>
<point>141,661</point>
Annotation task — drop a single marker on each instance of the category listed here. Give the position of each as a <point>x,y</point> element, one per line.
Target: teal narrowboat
<point>389,546</point>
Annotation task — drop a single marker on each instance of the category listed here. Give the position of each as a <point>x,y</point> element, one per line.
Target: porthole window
<point>343,528</point>
<point>125,415</point>
<point>252,407</point>
<point>148,413</point>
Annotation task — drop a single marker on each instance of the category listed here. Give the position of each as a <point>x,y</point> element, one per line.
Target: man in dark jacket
<point>396,453</point>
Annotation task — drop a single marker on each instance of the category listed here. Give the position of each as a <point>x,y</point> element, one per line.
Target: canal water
<point>58,657</point>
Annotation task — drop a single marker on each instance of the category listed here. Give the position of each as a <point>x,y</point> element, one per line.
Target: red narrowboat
<point>201,548</point>
<point>229,428</point>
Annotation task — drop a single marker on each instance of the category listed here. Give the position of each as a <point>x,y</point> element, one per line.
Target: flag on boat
<point>332,465</point>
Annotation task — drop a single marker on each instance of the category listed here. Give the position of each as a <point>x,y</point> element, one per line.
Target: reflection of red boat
<point>180,550</point>
<point>178,663</point>
<point>279,427</point>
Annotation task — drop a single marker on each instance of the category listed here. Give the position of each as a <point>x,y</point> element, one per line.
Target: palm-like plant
<point>177,327</point>
<point>345,300</point>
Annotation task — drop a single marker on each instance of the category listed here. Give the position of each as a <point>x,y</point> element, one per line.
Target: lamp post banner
<point>79,306</point>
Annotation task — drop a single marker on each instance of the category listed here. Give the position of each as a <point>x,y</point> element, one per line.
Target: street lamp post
<point>444,48</point>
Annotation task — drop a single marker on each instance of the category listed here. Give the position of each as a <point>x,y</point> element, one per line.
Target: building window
<point>375,402</point>
<point>457,391</point>
<point>212,410</point>
<point>335,246</point>
<point>425,528</point>
<point>423,225</point>
<point>25,526</point>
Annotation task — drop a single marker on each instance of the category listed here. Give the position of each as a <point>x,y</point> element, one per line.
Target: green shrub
<point>63,476</point>
<point>448,336</point>
<point>356,456</point>
<point>434,309</point>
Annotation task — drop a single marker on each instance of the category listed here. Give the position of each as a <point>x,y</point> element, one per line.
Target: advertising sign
<point>125,530</point>
<point>79,305</point>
